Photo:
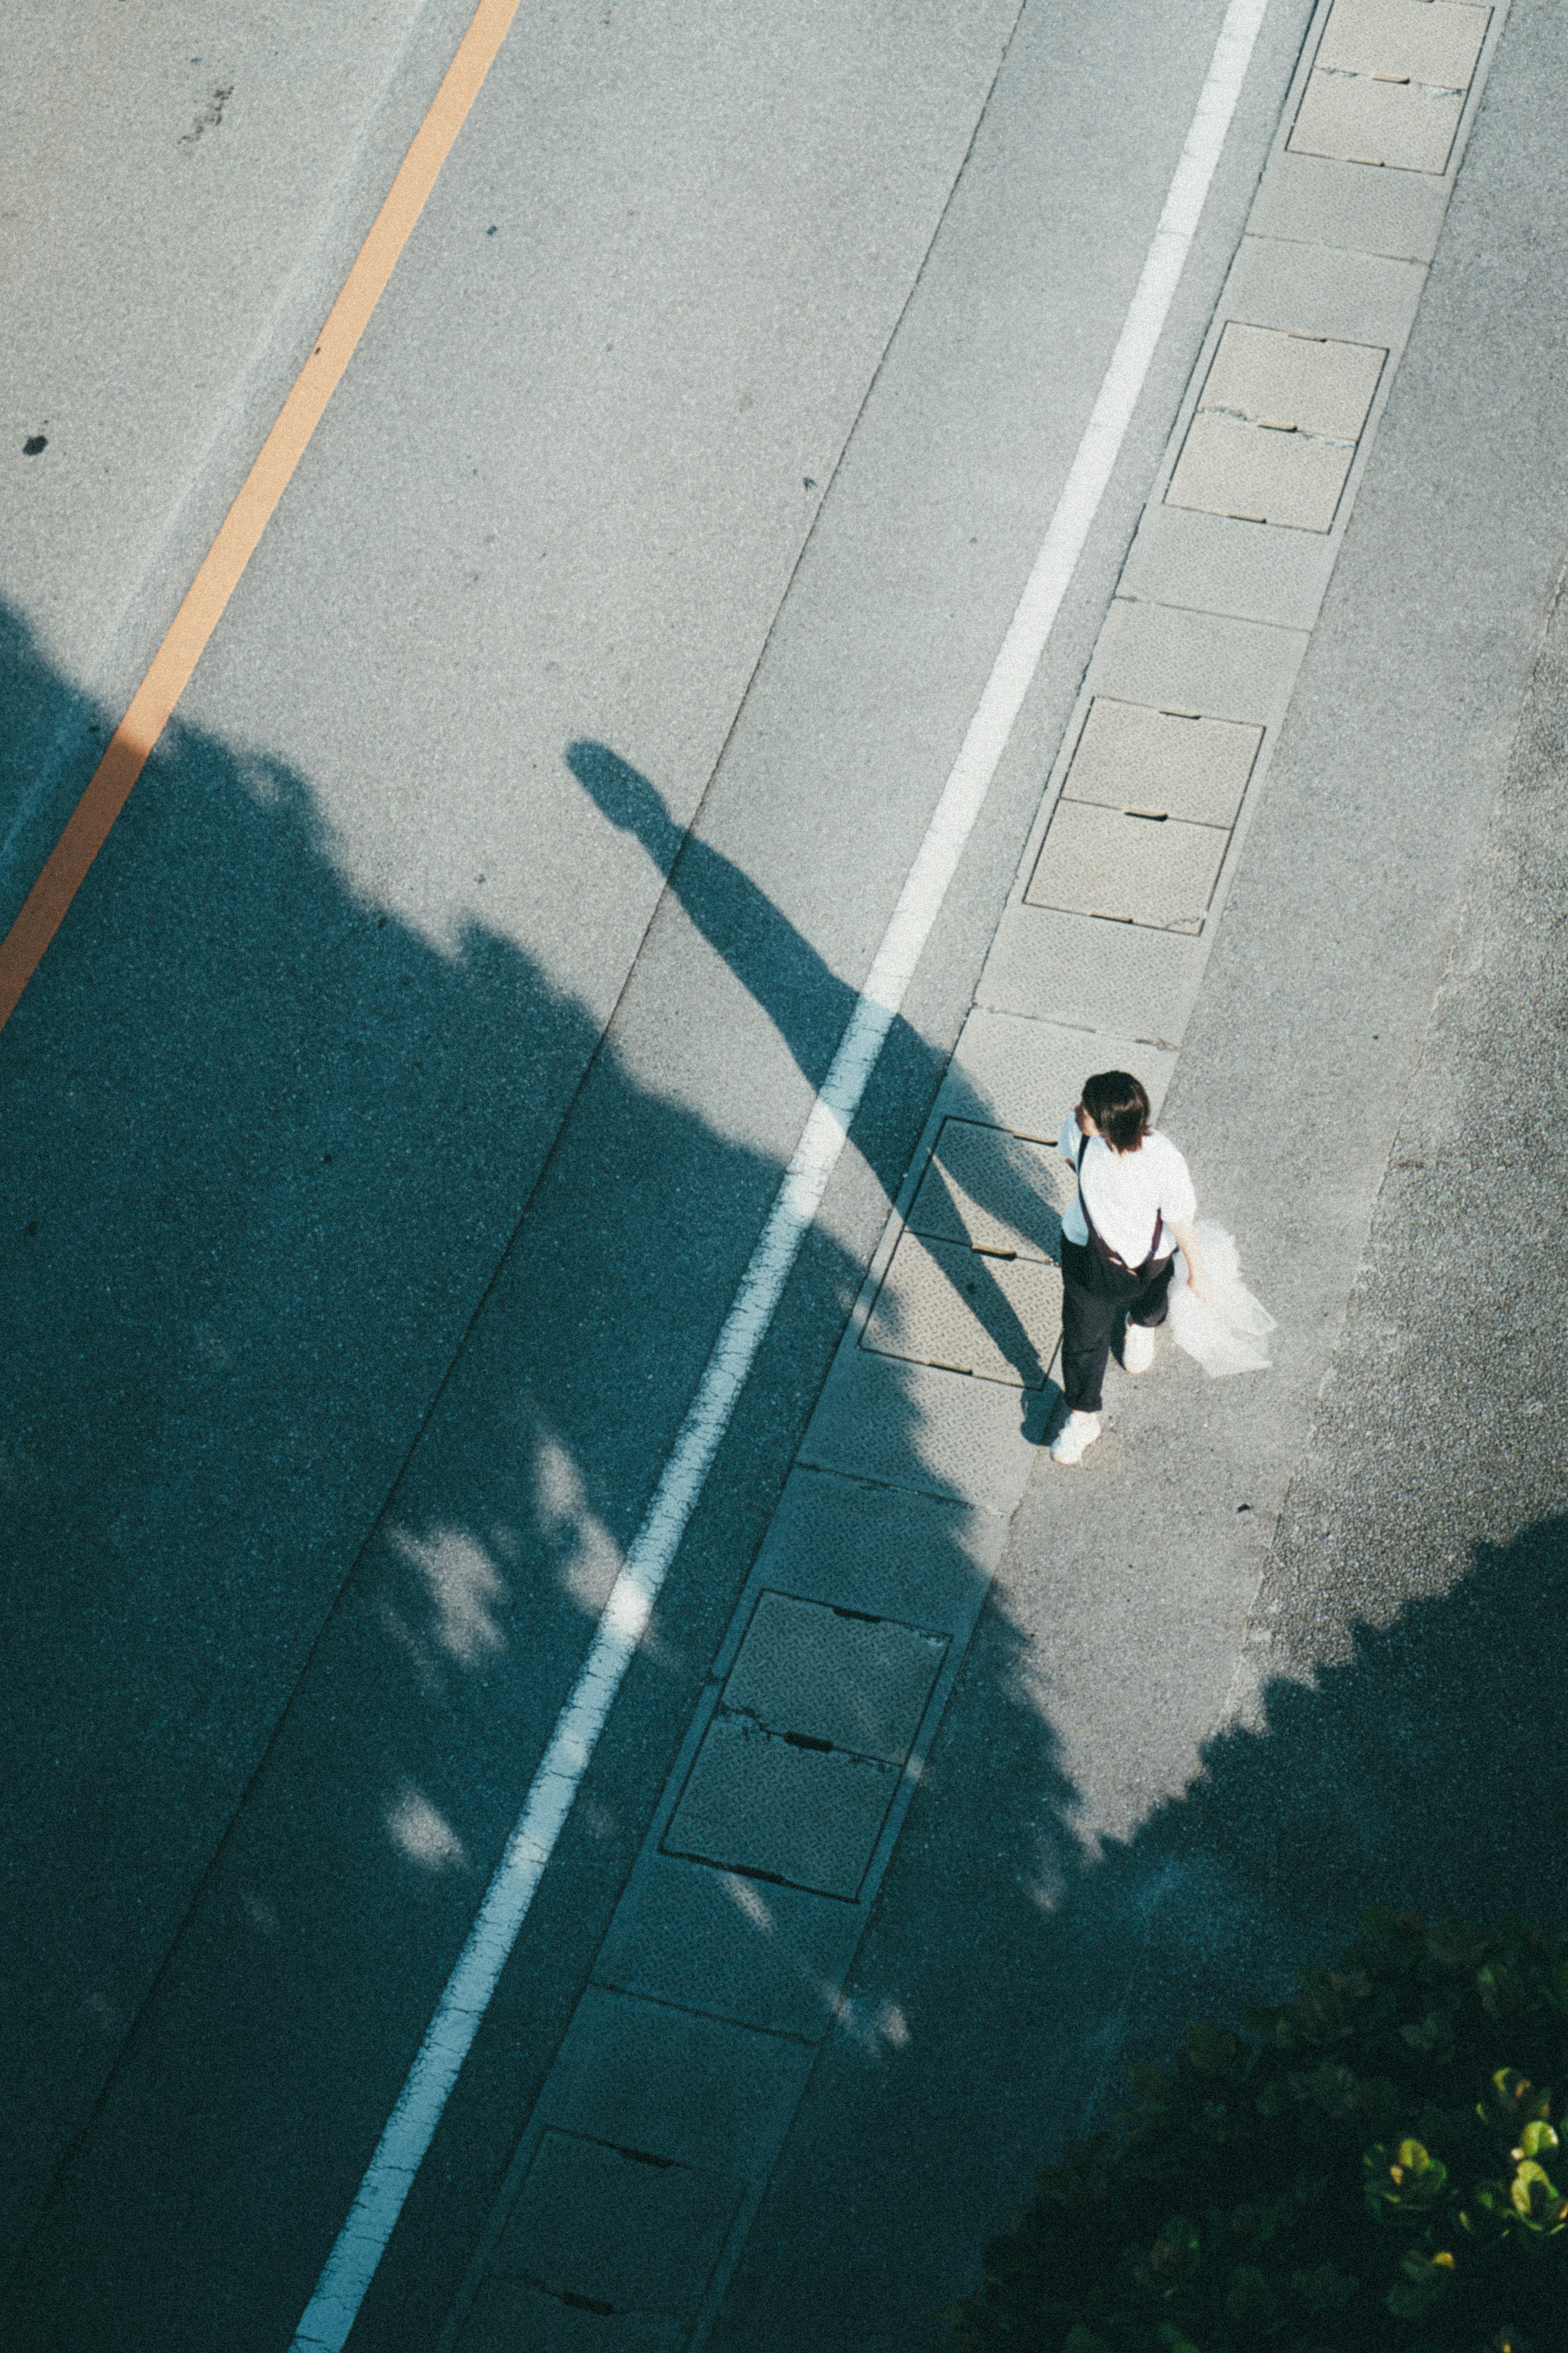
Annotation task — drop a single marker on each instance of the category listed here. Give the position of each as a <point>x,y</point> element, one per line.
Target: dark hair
<point>1118,1107</point>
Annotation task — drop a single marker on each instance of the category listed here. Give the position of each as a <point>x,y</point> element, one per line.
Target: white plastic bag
<point>1225,1332</point>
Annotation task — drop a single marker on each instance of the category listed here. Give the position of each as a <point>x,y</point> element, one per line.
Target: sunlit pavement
<point>392,1120</point>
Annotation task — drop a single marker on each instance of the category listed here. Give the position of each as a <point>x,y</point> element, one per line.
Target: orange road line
<point>87,827</point>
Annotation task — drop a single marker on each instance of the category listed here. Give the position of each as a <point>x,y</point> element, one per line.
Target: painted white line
<point>353,2263</point>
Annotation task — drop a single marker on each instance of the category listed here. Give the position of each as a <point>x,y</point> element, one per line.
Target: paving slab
<point>699,2091</point>
<point>1431,41</point>
<point>769,1956</point>
<point>1129,868</point>
<point>1028,1075</point>
<point>1129,757</point>
<point>509,2317</point>
<point>1258,475</point>
<point>608,2227</point>
<point>1218,564</point>
<point>813,1667</point>
<point>1311,200</point>
<point>993,1191</point>
<point>881,1549</point>
<point>943,1303</point>
<point>1404,128</point>
<point>1075,971</point>
<point>941,1433</point>
<point>1314,290</point>
<point>1212,665</point>
<point>1308,383</point>
<point>782,1809</point>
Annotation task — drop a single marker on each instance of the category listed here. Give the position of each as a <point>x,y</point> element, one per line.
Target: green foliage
<point>1372,2169</point>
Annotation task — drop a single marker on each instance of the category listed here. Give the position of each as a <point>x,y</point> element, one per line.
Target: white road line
<point>351,2264</point>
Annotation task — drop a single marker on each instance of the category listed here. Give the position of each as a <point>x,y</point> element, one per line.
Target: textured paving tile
<point>860,1683</point>
<point>1026,1075</point>
<point>990,1190</point>
<point>1100,861</point>
<point>510,2318</point>
<point>888,1552</point>
<point>1130,756</point>
<point>758,1802</point>
<point>616,2229</point>
<point>1312,384</point>
<point>774,1957</point>
<point>1231,467</point>
<point>1403,126</point>
<point>937,1433</point>
<point>667,2083</point>
<point>1081,970</point>
<point>1432,41</point>
<point>941,1304</point>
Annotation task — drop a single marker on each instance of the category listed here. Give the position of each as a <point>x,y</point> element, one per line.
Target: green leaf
<point>1174,2253</point>
<point>1251,2302</point>
<point>1407,2181</point>
<point>1538,2137</point>
<point>1433,2035</point>
<point>1080,2340</point>
<point>1323,2290</point>
<point>1425,2278</point>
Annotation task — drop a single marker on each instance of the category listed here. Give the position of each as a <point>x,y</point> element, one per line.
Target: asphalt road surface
<point>390,1122</point>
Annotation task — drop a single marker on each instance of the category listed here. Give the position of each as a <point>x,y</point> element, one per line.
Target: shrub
<point>1373,2169</point>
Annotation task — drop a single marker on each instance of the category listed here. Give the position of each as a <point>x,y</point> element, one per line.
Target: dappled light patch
<point>465,1590</point>
<point>418,1829</point>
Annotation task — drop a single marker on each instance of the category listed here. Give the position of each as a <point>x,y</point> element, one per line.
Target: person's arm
<point>1187,1242</point>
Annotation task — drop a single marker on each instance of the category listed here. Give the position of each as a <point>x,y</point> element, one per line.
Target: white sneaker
<point>1137,1348</point>
<point>1074,1439</point>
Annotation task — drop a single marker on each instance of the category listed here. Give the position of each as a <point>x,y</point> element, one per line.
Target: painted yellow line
<point>88,825</point>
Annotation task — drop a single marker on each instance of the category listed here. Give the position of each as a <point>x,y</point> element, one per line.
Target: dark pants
<point>1093,1295</point>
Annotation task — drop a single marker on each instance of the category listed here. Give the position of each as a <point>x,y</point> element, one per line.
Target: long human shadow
<point>810,1006</point>
<point>298,1580</point>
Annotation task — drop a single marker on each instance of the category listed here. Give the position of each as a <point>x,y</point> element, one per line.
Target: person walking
<point>1135,1209</point>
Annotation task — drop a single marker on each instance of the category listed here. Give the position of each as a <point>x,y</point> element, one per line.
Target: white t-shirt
<point>1126,1191</point>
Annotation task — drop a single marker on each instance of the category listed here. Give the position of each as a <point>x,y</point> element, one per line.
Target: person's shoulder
<point>1163,1147</point>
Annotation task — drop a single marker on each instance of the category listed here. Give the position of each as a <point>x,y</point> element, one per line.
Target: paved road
<point>390,1121</point>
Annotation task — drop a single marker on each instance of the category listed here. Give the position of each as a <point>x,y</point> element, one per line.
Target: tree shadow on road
<point>1428,1767</point>
<point>282,1557</point>
<point>268,1156</point>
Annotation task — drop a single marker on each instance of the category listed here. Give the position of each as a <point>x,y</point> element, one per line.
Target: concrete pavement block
<point>759,1801</point>
<point>1318,200</point>
<point>990,1190</point>
<point>1026,1075</point>
<point>1218,563</point>
<point>1128,868</point>
<point>1130,756</point>
<point>941,1303</point>
<point>1092,974</point>
<point>616,2229</point>
<point>1196,661</point>
<point>509,2316</point>
<point>860,1683</point>
<point>1230,468</point>
<point>768,1957</point>
<point>881,1549</point>
<point>701,2091</point>
<point>1431,41</point>
<point>1310,290</point>
<point>939,1433</point>
<point>1401,125</point>
<point>1314,383</point>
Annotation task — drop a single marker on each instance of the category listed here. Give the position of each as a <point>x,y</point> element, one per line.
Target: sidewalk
<point>766,2125</point>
